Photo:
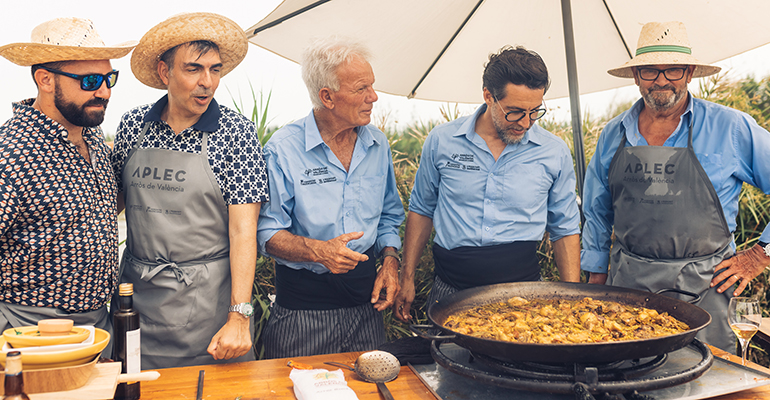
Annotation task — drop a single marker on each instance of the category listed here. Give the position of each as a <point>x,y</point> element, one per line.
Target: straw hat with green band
<point>664,43</point>
<point>184,28</point>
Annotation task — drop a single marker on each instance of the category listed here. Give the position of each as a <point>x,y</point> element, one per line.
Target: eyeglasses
<point>518,115</point>
<point>90,82</point>
<point>651,74</point>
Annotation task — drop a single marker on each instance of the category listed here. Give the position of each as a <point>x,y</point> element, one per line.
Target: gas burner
<point>619,370</point>
<point>614,380</point>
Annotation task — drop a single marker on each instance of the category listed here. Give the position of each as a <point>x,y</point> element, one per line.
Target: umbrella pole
<point>574,99</point>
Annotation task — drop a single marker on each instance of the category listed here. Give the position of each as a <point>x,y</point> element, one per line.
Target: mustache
<point>664,87</point>
<point>202,92</point>
<point>97,101</point>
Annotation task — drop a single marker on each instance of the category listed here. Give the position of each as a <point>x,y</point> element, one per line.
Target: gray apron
<point>670,229</point>
<point>16,315</point>
<point>177,254</point>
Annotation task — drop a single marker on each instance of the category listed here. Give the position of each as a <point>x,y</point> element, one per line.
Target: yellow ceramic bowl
<point>29,336</point>
<point>62,358</point>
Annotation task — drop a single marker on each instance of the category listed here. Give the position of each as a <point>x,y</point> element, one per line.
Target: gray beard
<point>658,103</point>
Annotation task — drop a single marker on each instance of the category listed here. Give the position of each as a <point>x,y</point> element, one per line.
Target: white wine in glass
<point>744,316</point>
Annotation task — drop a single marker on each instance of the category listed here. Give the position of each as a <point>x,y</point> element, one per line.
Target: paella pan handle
<point>696,297</point>
<point>416,329</point>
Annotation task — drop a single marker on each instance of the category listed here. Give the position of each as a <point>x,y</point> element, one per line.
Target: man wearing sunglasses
<point>492,184</point>
<point>58,226</point>
<point>666,178</point>
<point>192,176</point>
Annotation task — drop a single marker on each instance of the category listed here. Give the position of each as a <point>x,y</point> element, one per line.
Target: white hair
<point>321,60</point>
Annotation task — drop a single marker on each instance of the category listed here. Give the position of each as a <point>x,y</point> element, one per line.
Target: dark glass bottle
<point>125,322</point>
<point>14,378</point>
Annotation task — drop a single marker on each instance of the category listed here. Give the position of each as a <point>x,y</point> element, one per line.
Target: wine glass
<point>744,316</point>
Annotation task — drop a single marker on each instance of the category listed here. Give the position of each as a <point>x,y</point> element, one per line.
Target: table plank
<point>269,379</point>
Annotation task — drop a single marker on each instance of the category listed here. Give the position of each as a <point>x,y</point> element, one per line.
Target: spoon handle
<point>384,390</point>
<point>336,364</point>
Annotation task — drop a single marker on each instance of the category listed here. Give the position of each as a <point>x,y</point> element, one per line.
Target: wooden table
<point>269,379</point>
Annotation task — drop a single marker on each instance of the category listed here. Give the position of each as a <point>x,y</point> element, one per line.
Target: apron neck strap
<point>623,137</point>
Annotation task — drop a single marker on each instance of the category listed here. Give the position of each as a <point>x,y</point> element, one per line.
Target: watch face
<point>247,310</point>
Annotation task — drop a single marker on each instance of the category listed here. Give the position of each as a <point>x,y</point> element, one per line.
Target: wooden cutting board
<point>101,385</point>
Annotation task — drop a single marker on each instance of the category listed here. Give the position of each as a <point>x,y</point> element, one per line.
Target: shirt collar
<point>313,134</point>
<point>468,128</point>
<point>630,120</point>
<point>208,122</point>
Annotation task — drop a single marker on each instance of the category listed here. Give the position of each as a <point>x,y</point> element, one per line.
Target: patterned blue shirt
<point>729,144</point>
<point>312,195</point>
<point>477,201</point>
<point>234,152</point>
<point>58,228</point>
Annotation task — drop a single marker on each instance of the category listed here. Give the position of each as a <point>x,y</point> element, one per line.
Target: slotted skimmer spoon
<point>377,367</point>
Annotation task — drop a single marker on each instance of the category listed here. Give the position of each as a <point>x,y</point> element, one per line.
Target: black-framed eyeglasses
<point>651,74</point>
<point>90,82</point>
<point>518,115</point>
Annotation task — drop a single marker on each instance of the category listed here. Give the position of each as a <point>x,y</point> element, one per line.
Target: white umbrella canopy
<point>407,36</point>
<point>437,49</point>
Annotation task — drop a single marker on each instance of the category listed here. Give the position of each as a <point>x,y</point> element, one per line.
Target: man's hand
<point>233,339</point>
<point>743,266</point>
<point>387,278</point>
<point>403,303</point>
<point>336,256</point>
<point>596,278</point>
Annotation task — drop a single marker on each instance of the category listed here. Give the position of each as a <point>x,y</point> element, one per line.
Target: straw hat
<point>184,28</point>
<point>64,39</point>
<point>664,43</point>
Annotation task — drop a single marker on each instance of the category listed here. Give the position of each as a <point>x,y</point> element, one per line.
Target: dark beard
<point>77,115</point>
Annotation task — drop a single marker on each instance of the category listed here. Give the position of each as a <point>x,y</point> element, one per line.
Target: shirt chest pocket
<point>712,164</point>
<point>525,187</point>
<point>371,193</point>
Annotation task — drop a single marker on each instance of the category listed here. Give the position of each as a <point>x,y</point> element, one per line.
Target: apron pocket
<point>692,274</point>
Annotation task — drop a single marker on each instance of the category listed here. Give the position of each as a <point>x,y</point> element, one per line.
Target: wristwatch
<point>765,247</point>
<point>391,253</point>
<point>245,309</point>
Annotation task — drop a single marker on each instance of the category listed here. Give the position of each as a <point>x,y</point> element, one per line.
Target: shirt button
<point>347,183</point>
<point>487,229</point>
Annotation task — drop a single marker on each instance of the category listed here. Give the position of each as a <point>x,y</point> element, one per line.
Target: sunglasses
<point>90,82</point>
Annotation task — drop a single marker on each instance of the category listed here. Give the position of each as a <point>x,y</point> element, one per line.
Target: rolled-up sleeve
<point>392,213</point>
<point>424,197</point>
<point>275,215</point>
<point>563,213</point>
<point>597,205</point>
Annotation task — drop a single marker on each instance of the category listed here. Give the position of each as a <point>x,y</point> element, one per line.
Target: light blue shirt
<point>729,144</point>
<point>312,195</point>
<point>477,201</point>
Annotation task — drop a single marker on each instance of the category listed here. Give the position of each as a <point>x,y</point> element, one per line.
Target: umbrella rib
<point>617,28</point>
<point>441,54</point>
<point>288,16</point>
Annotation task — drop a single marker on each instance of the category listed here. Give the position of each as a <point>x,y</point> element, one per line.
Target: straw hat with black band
<point>664,43</point>
<point>184,28</point>
<point>64,39</point>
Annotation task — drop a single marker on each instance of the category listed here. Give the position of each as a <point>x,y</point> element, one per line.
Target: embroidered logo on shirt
<point>463,157</point>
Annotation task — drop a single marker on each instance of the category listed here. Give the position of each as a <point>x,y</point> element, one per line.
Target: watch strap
<point>391,253</point>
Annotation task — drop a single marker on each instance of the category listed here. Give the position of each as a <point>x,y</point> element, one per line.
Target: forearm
<point>566,253</point>
<point>243,250</point>
<point>290,247</point>
<point>418,229</point>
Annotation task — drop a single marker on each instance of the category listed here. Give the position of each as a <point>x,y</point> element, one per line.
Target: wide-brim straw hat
<point>64,39</point>
<point>184,28</point>
<point>664,43</point>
